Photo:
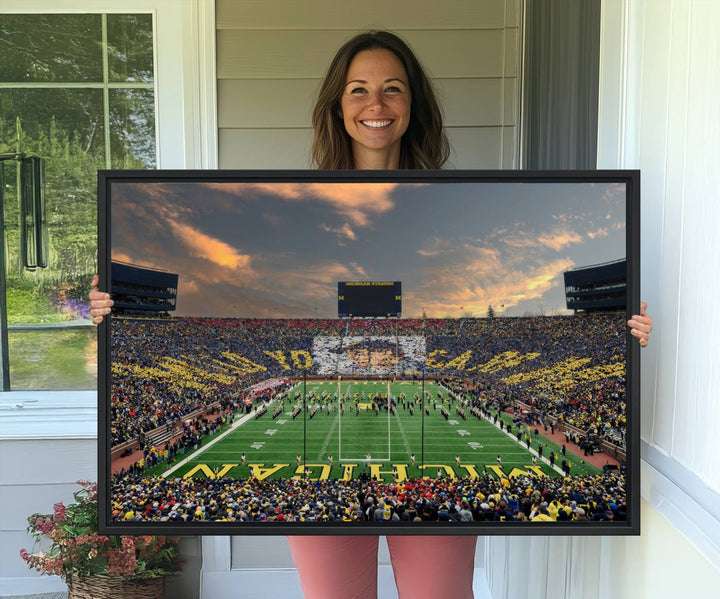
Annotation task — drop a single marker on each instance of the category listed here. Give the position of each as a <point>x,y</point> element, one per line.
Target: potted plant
<point>67,544</point>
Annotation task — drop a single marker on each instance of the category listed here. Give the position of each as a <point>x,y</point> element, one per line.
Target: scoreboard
<point>362,299</point>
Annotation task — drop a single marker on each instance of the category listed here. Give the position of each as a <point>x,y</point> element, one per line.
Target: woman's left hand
<point>641,325</point>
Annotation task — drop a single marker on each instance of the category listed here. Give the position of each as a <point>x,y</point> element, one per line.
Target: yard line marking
<point>402,433</point>
<point>532,450</point>
<point>329,434</point>
<point>240,421</point>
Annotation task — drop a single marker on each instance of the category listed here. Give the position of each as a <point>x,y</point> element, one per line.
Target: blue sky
<point>278,249</point>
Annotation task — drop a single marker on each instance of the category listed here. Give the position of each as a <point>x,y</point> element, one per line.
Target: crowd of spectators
<point>566,368</point>
<point>483,499</point>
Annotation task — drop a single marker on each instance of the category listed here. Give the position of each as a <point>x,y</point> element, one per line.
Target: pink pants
<point>345,567</point>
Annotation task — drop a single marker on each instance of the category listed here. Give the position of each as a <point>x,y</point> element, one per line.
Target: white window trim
<point>683,498</point>
<point>186,130</point>
<point>43,415</point>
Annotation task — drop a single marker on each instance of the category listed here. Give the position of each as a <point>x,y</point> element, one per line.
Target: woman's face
<point>375,107</point>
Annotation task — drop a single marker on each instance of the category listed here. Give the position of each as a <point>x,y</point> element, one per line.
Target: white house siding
<point>271,57</point>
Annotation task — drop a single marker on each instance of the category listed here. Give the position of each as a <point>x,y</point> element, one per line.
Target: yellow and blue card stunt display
<point>238,398</point>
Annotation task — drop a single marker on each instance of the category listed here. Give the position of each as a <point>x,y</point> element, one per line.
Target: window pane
<point>132,128</point>
<point>65,127</point>
<point>49,117</point>
<point>50,48</point>
<point>52,344</point>
<point>54,359</point>
<point>130,45</point>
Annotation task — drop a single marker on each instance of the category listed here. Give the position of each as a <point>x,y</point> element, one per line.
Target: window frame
<point>185,106</point>
<point>180,29</point>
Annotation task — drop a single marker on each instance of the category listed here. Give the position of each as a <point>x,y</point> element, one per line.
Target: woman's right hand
<point>100,302</point>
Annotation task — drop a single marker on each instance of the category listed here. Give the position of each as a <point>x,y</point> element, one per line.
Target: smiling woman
<point>364,105</point>
<point>375,108</point>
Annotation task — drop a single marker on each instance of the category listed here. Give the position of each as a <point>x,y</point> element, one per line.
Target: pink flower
<point>59,509</point>
<point>43,526</point>
<point>128,543</point>
<point>53,565</point>
<point>121,562</point>
<point>71,555</point>
<point>89,488</point>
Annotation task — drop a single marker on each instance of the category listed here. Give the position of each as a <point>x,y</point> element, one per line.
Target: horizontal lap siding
<point>36,474</point>
<point>271,58</point>
<point>304,54</point>
<point>264,148</point>
<point>351,14</point>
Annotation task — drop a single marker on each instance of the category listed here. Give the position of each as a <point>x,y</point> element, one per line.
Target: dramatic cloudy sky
<point>279,249</point>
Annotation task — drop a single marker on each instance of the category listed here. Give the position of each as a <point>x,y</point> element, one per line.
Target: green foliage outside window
<point>82,105</point>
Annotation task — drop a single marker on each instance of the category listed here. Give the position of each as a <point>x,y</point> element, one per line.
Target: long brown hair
<point>424,144</point>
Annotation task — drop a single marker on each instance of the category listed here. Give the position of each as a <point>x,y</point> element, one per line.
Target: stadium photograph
<point>361,354</point>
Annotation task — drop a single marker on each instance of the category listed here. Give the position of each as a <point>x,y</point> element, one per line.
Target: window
<point>78,90</point>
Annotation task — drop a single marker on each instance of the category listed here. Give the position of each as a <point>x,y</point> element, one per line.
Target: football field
<point>355,439</point>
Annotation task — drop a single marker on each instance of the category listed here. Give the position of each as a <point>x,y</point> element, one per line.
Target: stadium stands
<point>596,498</point>
<point>564,370</point>
<point>570,369</point>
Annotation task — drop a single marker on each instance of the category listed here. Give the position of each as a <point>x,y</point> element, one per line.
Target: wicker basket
<point>116,587</point>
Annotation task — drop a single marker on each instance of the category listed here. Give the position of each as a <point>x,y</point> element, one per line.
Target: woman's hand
<point>100,302</point>
<point>641,325</point>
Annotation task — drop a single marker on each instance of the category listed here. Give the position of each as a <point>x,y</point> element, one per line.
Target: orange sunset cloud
<point>484,280</point>
<point>209,248</point>
<point>602,232</point>
<point>559,239</point>
<point>343,232</point>
<point>356,201</point>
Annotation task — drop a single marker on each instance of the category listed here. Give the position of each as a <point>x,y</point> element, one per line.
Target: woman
<point>376,76</point>
<point>376,109</point>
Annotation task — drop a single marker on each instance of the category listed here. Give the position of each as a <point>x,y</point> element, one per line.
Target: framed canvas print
<point>367,352</point>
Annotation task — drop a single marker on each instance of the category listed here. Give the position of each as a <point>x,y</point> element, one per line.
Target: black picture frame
<point>628,181</point>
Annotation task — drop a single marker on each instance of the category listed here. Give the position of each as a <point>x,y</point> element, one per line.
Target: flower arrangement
<point>77,551</point>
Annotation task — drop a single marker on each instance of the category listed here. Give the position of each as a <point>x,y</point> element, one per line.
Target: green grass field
<point>271,446</point>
